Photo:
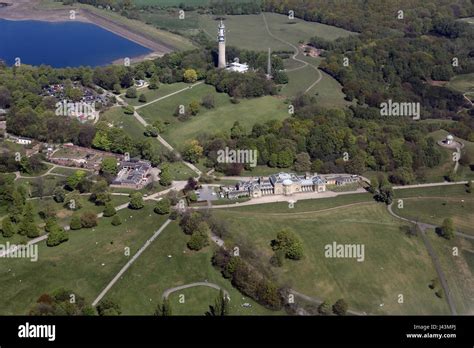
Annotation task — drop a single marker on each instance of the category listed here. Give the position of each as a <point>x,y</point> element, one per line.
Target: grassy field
<point>142,286</point>
<point>179,171</point>
<point>459,270</point>
<point>65,171</point>
<point>462,83</point>
<point>305,206</point>
<point>394,263</point>
<point>84,264</point>
<point>196,300</point>
<point>433,205</point>
<point>221,118</point>
<point>128,123</point>
<point>152,94</point>
<point>248,31</point>
<point>328,92</point>
<point>435,191</point>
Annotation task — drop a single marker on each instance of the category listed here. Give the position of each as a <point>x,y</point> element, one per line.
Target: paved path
<point>169,95</point>
<point>445,183</point>
<point>468,99</point>
<point>294,57</point>
<point>168,292</point>
<point>142,121</point>
<point>129,263</point>
<point>434,257</point>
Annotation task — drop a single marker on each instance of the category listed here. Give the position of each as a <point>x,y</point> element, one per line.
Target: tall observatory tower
<point>221,41</point>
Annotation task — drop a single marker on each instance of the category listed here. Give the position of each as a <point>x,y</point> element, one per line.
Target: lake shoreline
<point>23,10</point>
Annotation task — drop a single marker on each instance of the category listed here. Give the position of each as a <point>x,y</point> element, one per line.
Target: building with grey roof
<point>133,174</point>
<point>277,184</point>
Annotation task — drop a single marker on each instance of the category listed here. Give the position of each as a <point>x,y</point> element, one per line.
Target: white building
<point>23,141</point>
<point>237,67</point>
<point>449,139</point>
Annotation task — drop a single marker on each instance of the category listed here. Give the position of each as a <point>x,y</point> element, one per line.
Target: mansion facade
<point>285,184</point>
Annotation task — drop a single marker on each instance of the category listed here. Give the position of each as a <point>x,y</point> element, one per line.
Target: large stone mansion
<point>285,184</point>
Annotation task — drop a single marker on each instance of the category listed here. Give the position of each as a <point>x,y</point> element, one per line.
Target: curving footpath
<point>168,292</point>
<point>294,57</point>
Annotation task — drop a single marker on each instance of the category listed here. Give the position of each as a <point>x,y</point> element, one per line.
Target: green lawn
<point>143,284</point>
<point>434,209</point>
<point>152,94</point>
<point>394,263</point>
<point>305,206</point>
<point>248,31</point>
<point>259,170</point>
<point>462,83</point>
<point>128,123</point>
<point>219,119</point>
<point>65,171</point>
<point>179,171</point>
<point>457,190</point>
<point>193,301</point>
<point>85,264</point>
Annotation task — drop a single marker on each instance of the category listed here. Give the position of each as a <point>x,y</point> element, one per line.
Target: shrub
<point>109,210</point>
<point>340,307</point>
<point>116,220</point>
<point>56,237</point>
<point>76,223</point>
<point>136,201</point>
<point>163,207</point>
<point>88,219</point>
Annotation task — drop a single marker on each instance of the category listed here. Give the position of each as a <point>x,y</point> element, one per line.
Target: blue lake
<point>63,44</point>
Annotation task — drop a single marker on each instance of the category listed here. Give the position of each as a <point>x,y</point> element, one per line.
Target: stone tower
<point>269,64</point>
<point>221,41</point>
